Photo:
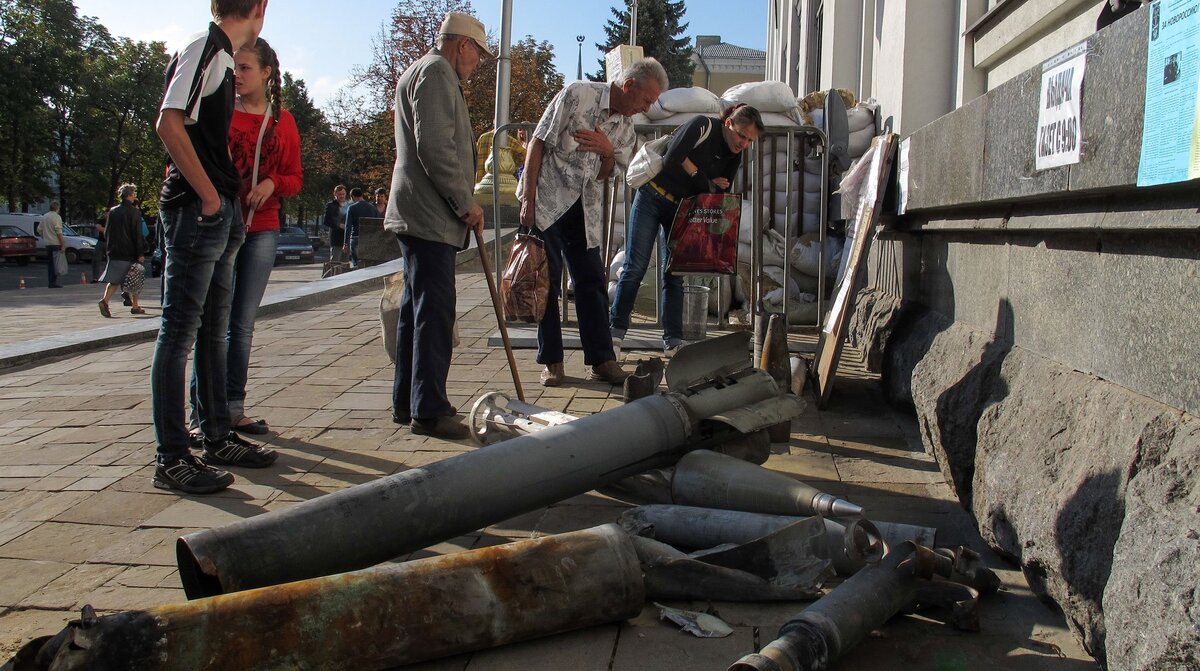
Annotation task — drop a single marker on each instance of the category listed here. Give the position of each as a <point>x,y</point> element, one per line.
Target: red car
<point>14,244</point>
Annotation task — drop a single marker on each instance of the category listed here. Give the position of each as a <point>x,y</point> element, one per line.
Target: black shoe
<point>196,439</point>
<point>402,420</point>
<point>237,451</point>
<point>125,299</point>
<point>442,427</point>
<point>56,286</point>
<point>189,475</point>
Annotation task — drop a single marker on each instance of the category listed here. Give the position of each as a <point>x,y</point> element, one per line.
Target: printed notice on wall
<point>1060,118</point>
<point>1169,133</point>
<point>902,177</point>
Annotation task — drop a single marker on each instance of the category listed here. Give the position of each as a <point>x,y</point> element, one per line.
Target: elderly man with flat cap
<point>432,212</point>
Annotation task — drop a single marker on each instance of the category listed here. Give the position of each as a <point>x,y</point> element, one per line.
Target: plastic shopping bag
<point>704,235</point>
<point>525,285</point>
<point>60,264</point>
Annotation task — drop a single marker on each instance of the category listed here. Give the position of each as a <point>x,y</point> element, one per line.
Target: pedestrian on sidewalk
<point>584,134</point>
<point>100,252</point>
<point>703,157</point>
<point>359,209</point>
<point>432,211</point>
<point>52,237</point>
<point>203,228</point>
<point>269,170</point>
<point>126,248</point>
<point>335,221</point>
<point>381,198</point>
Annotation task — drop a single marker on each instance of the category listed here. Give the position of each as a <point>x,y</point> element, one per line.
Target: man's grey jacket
<point>433,180</point>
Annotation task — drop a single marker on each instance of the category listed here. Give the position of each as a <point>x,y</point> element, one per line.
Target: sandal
<point>137,311</point>
<point>104,309</point>
<point>255,427</point>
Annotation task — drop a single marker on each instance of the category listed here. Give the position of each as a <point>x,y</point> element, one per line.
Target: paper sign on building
<point>1170,134</point>
<point>1060,117</point>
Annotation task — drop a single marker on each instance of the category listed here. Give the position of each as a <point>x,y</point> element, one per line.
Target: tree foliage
<point>533,83</point>
<point>658,30</point>
<point>77,108</point>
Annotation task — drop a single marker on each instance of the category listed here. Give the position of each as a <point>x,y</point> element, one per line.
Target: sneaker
<point>670,350</point>
<point>609,371</point>
<point>442,427</point>
<point>191,476</point>
<point>553,374</point>
<point>237,451</point>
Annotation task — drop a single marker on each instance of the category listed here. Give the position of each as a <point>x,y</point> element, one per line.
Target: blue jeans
<point>566,239</point>
<point>354,251</point>
<point>52,276</point>
<point>650,218</point>
<point>251,271</point>
<point>425,330</point>
<point>198,290</point>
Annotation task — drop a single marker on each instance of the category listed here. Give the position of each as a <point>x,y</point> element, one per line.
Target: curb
<point>317,292</point>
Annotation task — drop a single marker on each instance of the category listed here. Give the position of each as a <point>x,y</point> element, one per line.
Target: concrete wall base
<point>1093,489</point>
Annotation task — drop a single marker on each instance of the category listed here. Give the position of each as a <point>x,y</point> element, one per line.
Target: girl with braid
<point>265,147</point>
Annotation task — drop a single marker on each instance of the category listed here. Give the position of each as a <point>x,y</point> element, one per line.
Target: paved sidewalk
<point>81,524</point>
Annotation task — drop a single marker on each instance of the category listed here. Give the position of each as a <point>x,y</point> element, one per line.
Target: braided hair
<point>268,58</point>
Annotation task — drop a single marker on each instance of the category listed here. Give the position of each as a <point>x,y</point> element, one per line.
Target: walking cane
<point>487,272</point>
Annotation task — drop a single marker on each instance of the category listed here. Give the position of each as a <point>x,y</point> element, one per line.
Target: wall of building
<point>1042,326</point>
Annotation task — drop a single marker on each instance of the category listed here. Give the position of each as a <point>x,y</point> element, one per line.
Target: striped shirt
<point>200,84</point>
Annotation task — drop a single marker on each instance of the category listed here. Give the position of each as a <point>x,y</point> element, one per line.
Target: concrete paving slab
<point>117,545</point>
<point>19,579</point>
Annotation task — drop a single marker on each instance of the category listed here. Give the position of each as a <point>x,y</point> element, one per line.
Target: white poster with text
<point>1060,115</point>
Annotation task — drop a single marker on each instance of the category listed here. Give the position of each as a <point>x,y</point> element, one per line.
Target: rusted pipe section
<point>710,480</point>
<point>378,618</point>
<point>850,545</point>
<point>380,520</point>
<point>837,622</point>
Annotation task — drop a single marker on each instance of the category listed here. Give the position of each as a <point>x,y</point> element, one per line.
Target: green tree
<point>39,49</point>
<point>404,37</point>
<point>534,82</point>
<point>658,30</point>
<point>317,148</point>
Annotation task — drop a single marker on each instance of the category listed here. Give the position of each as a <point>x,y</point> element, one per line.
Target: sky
<point>322,49</point>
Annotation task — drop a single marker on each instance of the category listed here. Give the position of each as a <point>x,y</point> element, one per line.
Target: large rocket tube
<point>377,618</point>
<point>383,519</point>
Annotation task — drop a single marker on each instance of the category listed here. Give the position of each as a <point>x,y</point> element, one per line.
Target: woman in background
<point>258,113</point>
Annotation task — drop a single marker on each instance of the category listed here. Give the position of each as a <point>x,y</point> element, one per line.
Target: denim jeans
<point>566,239</point>
<point>198,290</point>
<point>354,251</point>
<point>650,218</point>
<point>251,271</point>
<point>425,330</point>
<point>52,277</point>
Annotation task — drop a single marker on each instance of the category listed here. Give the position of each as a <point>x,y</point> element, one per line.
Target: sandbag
<point>684,99</point>
<point>768,96</point>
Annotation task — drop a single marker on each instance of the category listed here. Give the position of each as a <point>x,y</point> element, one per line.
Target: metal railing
<point>750,182</point>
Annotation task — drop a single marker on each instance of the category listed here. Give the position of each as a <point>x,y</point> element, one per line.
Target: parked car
<point>16,246</point>
<point>294,246</point>
<point>79,247</point>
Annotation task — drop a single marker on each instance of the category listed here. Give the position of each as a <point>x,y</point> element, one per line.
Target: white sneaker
<point>670,351</point>
<point>616,345</point>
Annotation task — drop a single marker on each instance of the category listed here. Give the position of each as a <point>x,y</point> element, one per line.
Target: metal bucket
<point>695,312</point>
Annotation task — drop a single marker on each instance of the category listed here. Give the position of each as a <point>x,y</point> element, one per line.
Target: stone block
<point>19,578</point>
<point>953,380</point>
<point>1156,561</point>
<point>941,178</point>
<point>1054,453</point>
<point>1147,305</point>
<point>1008,158</point>
<point>1114,87</point>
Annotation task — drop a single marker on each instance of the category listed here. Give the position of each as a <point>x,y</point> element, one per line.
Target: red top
<point>280,160</point>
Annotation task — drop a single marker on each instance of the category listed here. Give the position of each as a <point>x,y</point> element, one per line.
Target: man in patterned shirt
<point>584,134</point>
